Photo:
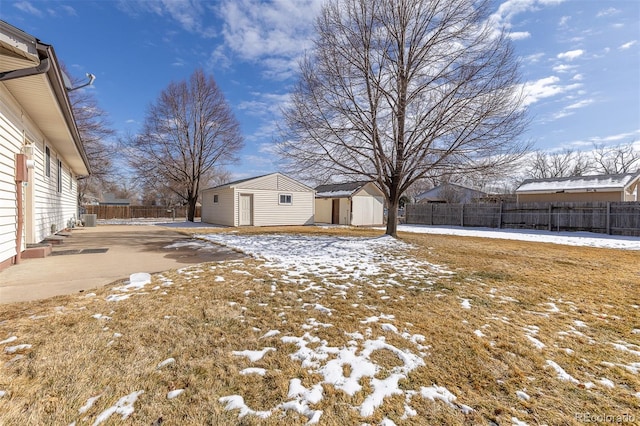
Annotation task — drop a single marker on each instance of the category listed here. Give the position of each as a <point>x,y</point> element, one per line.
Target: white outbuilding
<point>351,203</point>
<point>269,200</point>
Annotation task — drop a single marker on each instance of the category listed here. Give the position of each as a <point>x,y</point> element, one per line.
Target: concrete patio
<point>93,257</point>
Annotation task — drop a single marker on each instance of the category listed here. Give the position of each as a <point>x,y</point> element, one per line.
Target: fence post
<point>608,218</point>
<point>431,218</point>
<point>500,216</point>
<point>550,216</point>
<point>462,215</point>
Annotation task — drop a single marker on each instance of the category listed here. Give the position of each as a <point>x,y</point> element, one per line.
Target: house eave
<point>42,96</point>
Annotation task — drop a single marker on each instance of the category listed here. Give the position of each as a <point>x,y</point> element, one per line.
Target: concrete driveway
<point>93,257</point>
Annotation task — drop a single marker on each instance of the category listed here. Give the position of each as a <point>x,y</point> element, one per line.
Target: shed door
<point>335,211</point>
<point>246,209</point>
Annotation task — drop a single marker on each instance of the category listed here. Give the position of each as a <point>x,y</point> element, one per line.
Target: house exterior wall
<point>267,210</point>
<point>569,197</point>
<point>345,211</point>
<point>221,213</point>
<point>10,145</point>
<point>323,210</point>
<point>368,210</point>
<point>45,204</point>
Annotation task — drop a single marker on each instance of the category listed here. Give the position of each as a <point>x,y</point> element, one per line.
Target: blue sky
<point>580,60</point>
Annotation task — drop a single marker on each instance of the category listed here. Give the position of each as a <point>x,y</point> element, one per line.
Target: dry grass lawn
<point>518,332</point>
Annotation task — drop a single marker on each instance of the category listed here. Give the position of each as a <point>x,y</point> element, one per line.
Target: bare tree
<point>188,133</point>
<point>616,159</point>
<point>397,90</point>
<point>560,164</point>
<point>95,132</point>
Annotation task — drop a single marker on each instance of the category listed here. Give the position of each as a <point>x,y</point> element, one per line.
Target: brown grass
<point>511,286</point>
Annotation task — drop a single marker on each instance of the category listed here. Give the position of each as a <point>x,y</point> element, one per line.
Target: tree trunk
<point>392,218</point>
<point>191,209</point>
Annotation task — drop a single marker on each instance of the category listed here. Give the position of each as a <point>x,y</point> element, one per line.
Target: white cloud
<point>607,12</point>
<point>562,68</point>
<point>611,139</point>
<point>27,7</point>
<point>581,104</point>
<point>190,14</point>
<point>628,45</point>
<point>545,88</point>
<point>571,54</point>
<point>534,58</point>
<point>519,35</point>
<point>578,77</point>
<point>68,10</point>
<point>276,33</point>
<point>564,21</point>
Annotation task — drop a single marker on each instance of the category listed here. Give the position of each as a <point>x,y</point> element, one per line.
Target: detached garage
<point>269,200</point>
<point>352,203</point>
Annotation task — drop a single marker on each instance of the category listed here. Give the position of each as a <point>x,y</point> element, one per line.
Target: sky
<point>580,61</point>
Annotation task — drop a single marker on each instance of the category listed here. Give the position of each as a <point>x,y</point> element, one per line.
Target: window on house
<point>59,176</point>
<point>285,198</point>
<point>47,162</point>
<point>215,199</point>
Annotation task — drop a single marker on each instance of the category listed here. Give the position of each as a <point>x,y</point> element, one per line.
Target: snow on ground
<point>315,263</point>
<point>589,239</point>
<point>321,265</point>
<point>357,263</point>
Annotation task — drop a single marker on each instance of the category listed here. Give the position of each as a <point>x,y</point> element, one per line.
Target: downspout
<point>41,68</point>
<point>21,175</point>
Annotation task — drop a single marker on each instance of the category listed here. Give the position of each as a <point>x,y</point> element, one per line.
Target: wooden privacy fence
<point>609,218</point>
<point>138,212</point>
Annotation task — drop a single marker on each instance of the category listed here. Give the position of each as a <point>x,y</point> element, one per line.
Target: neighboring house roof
<point>238,183</point>
<point>30,71</point>
<point>111,200</point>
<point>340,190</point>
<point>444,191</point>
<point>618,182</point>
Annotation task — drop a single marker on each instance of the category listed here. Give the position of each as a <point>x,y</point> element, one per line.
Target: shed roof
<point>438,193</point>
<point>579,183</point>
<point>340,190</point>
<point>239,182</point>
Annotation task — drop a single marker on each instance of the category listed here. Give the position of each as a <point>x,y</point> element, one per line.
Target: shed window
<point>285,198</point>
<point>215,199</point>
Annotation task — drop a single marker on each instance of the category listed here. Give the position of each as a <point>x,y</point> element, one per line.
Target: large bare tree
<point>188,133</point>
<point>560,164</point>
<point>398,90</point>
<point>96,134</point>
<point>616,159</point>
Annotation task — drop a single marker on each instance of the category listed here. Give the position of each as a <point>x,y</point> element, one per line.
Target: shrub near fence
<point>138,212</point>
<point>610,218</point>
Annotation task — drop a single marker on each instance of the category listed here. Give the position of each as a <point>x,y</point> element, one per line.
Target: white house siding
<point>274,182</point>
<point>43,205</point>
<point>345,212</point>
<point>10,144</point>
<point>222,212</point>
<point>52,210</point>
<point>266,208</point>
<point>368,210</point>
<point>267,211</point>
<point>323,210</point>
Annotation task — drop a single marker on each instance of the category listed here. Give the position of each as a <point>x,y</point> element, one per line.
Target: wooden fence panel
<point>138,212</point>
<point>614,218</point>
